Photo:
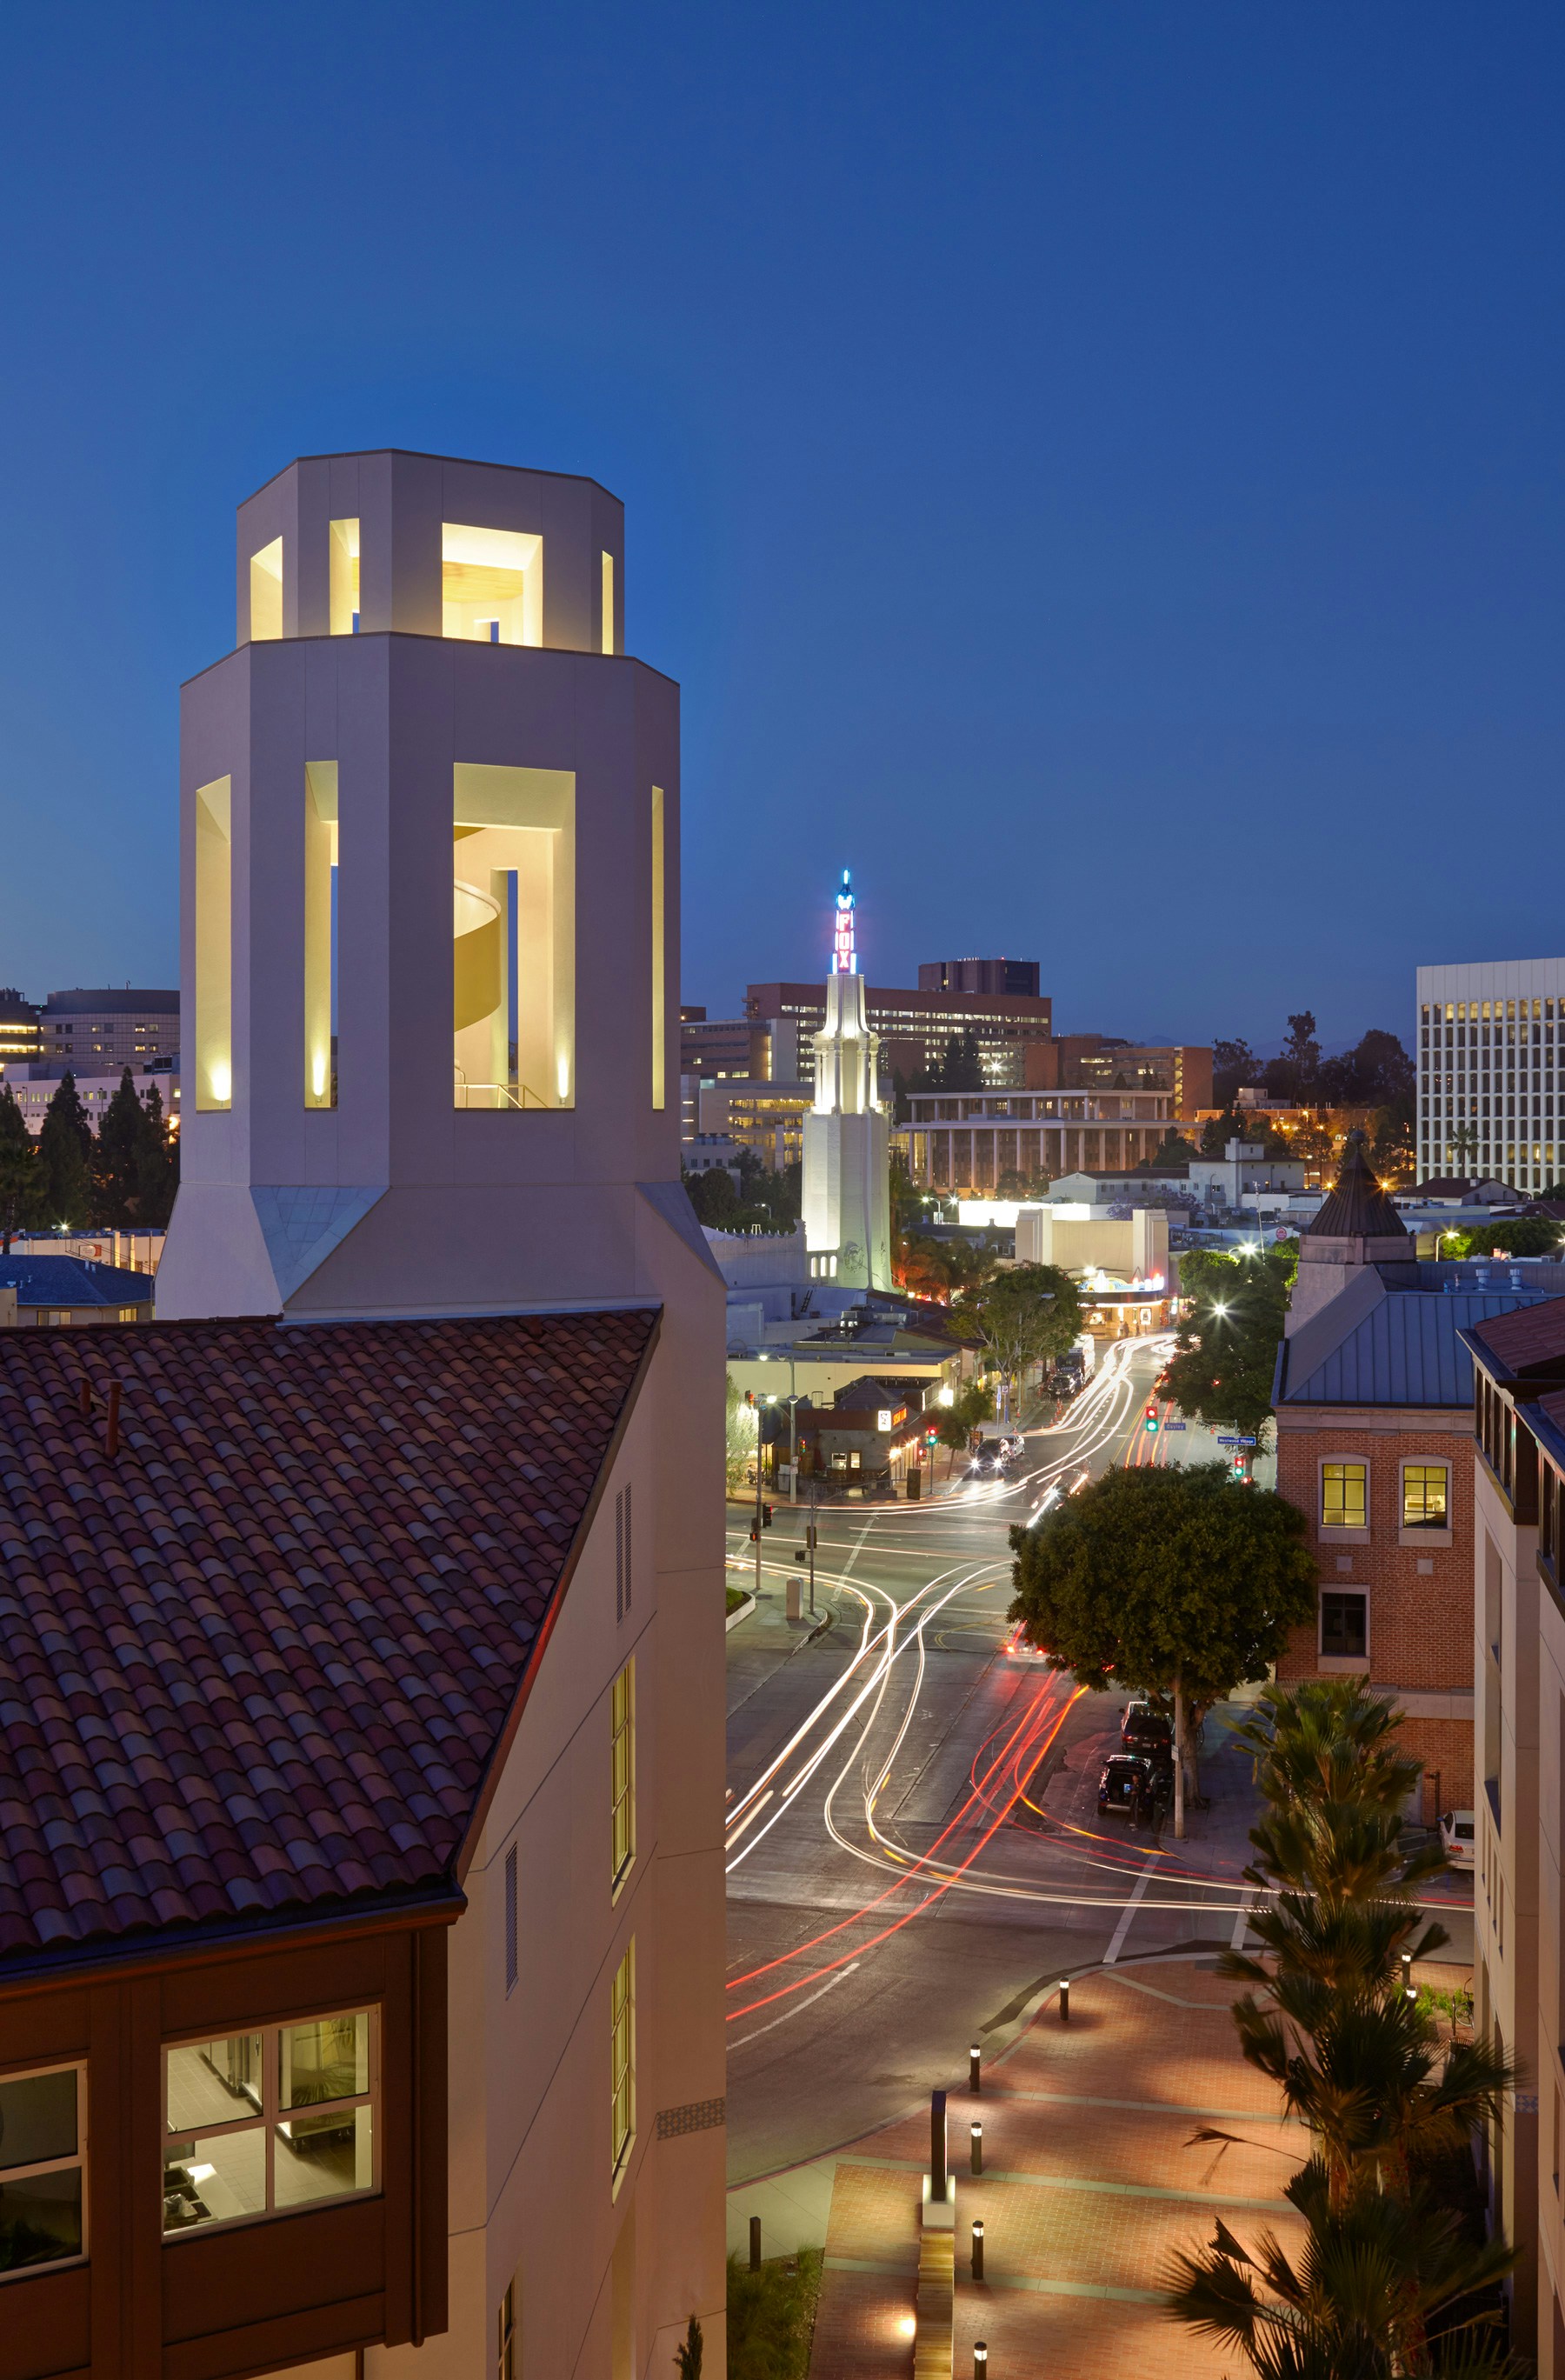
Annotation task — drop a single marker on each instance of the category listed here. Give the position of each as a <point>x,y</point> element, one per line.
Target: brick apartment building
<point>1373,1398</point>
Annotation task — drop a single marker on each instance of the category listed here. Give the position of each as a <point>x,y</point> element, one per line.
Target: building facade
<point>915,1029</point>
<point>398,1576</point>
<point>987,976</point>
<point>21,1031</point>
<point>1098,1061</point>
<point>974,1143</point>
<point>33,1088</point>
<point>1519,1360</point>
<point>1488,1086</point>
<point>110,1028</point>
<point>1373,1400</point>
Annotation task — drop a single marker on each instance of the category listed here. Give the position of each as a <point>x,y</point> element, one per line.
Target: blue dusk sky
<point>1097,471</point>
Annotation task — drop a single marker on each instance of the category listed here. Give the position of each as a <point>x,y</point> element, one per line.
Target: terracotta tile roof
<point>258,1660</point>
<point>1534,1336</point>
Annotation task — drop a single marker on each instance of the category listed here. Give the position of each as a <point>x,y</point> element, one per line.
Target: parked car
<point>1457,1837</point>
<point>1127,1787</point>
<point>1142,1728</point>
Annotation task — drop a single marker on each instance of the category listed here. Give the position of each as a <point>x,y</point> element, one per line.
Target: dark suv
<point>1142,1728</point>
<point>1127,1787</point>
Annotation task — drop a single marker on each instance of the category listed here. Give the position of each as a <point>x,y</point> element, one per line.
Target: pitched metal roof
<point>73,1280</point>
<point>1405,1351</point>
<point>258,1664</point>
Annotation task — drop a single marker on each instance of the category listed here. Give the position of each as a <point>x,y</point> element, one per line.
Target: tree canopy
<point>1022,1315</point>
<point>65,1155</point>
<point>1159,1576</point>
<point>1225,1354</point>
<point>22,1180</point>
<point>1521,1235</point>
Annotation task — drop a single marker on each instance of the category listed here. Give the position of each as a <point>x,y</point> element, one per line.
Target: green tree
<point>117,1158</point>
<point>20,1174</point>
<point>687,2359</point>
<point>1173,1149</point>
<point>741,1436</point>
<point>1022,1315</point>
<point>1234,1065</point>
<point>1381,2289</point>
<point>1293,1074</point>
<point>1218,1130</point>
<point>954,1429</point>
<point>157,1167</point>
<point>1182,1581</point>
<point>1521,1235</point>
<point>64,1151</point>
<point>1225,1354</point>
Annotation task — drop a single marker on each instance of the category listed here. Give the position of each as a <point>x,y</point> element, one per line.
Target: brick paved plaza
<point>1089,2181</point>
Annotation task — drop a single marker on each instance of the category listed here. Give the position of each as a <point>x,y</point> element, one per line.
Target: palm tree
<point>1328,1739</point>
<point>1377,2292</point>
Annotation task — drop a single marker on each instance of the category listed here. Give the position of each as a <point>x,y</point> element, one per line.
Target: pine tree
<point>157,1176</point>
<point>64,1146</point>
<point>117,1158</point>
<point>19,1172</point>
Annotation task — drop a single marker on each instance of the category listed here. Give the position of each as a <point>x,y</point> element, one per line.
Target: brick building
<point>1374,1405</point>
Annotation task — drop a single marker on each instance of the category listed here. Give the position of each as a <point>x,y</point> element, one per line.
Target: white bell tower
<point>847,1158</point>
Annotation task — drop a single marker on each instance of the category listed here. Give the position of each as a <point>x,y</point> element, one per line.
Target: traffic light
<point>755,1532</point>
<point>766,1516</point>
<point>1151,1422</point>
<point>1239,1466</point>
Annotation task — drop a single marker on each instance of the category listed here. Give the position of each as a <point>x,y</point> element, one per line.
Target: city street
<point>915,1856</point>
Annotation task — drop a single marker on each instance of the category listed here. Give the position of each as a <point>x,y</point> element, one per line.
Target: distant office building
<point>766,1118</point>
<point>915,1029</point>
<point>34,1092</point>
<point>980,975</point>
<point>717,1048</point>
<point>102,1029</point>
<point>711,1152</point>
<point>1102,1062</point>
<point>22,1038</point>
<point>977,1142</point>
<point>1487,1087</point>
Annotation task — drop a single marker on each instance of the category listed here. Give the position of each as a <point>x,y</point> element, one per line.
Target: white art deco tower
<point>846,1170</point>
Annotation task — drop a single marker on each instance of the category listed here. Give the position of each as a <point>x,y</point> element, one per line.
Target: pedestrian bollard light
<point>978,2131</point>
<point>975,2068</point>
<point>1065,2000</point>
<point>981,2360</point>
<point>755,2243</point>
<point>1407,1969</point>
<point>977,2251</point>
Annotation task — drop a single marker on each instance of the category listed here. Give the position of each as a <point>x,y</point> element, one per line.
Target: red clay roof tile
<point>261,1659</point>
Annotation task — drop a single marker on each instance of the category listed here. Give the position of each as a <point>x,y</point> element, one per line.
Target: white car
<point>1457,1837</point>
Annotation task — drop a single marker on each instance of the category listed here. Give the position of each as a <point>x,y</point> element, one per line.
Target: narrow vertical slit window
<point>659,1027</point>
<point>214,945</point>
<point>266,594</point>
<point>320,933</point>
<point>505,2346</point>
<point>511,1964</point>
<point>608,603</point>
<point>623,1762</point>
<point>344,587</point>
<point>514,937</point>
<point>621,2064</point>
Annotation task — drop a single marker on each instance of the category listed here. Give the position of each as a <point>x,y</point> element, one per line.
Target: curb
<point>740,1612</point>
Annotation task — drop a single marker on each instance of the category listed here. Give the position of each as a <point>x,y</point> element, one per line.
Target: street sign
<point>1175,1425</point>
<point>1236,1442</point>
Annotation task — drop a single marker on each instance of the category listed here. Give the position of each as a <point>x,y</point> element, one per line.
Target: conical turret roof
<point>1357,1208</point>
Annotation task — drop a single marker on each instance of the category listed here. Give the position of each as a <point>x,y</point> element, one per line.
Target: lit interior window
<point>513,936</point>
<point>622,2021</point>
<point>269,2122</point>
<point>492,585</point>
<point>214,857</point>
<point>622,1765</point>
<point>320,933</point>
<point>344,589</point>
<point>266,592</point>
<point>608,605</point>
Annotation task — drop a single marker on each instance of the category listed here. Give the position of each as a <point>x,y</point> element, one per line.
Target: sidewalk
<point>1090,2182</point>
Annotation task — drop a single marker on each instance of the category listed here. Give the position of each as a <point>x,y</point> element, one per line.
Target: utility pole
<point>757,1520</point>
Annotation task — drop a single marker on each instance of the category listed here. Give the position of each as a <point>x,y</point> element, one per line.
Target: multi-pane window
<point>623,1767</point>
<point>505,2342</point>
<point>1423,1495</point>
<point>42,2158</point>
<point>269,2121</point>
<point>1344,1626</point>
<point>1343,1497</point>
<point>622,2062</point>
